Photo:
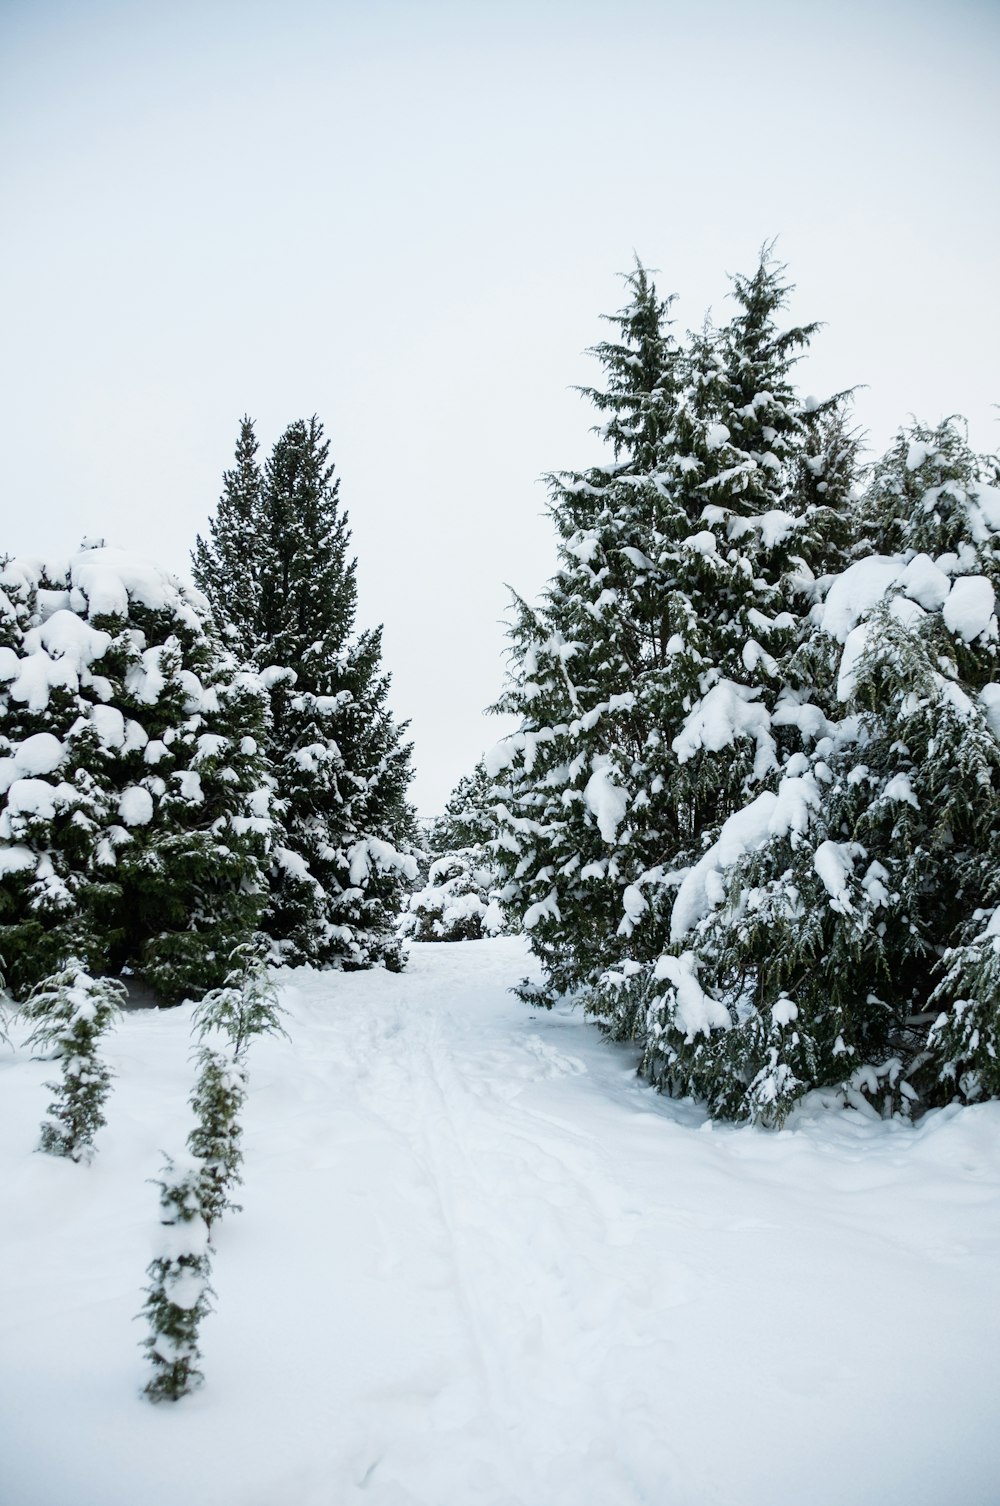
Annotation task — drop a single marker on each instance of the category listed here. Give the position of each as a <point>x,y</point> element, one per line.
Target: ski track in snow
<point>480,1262</point>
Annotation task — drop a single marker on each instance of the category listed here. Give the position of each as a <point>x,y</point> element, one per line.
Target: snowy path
<point>480,1263</point>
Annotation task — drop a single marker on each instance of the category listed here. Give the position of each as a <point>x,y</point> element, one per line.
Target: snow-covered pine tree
<point>645,681</point>
<point>178,1297</point>
<point>340,767</point>
<point>71,1012</point>
<point>133,800</point>
<point>816,941</point>
<point>459,901</point>
<point>585,675</point>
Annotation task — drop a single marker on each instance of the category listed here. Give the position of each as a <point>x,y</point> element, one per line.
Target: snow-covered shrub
<point>459,898</point>
<point>246,1006</point>
<point>179,1296</point>
<point>133,791</point>
<point>458,902</point>
<point>71,1012</point>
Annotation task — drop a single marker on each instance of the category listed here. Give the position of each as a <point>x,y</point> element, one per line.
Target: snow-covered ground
<point>479,1262</point>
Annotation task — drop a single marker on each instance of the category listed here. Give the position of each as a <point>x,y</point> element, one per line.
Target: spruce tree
<point>340,768</point>
<point>228,567</point>
<point>215,1141</point>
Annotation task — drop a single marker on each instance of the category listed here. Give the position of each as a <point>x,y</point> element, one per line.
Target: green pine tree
<point>340,767</point>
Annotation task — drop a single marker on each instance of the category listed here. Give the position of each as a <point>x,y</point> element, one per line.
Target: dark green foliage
<point>71,1012</point>
<point>178,1297</point>
<point>340,768</point>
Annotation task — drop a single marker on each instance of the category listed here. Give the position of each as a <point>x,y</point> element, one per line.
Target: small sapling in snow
<point>71,1011</point>
<point>179,1294</point>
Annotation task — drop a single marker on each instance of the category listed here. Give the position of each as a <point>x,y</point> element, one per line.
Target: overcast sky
<point>407,218</point>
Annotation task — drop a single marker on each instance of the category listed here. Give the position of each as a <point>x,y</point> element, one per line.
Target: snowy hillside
<point>480,1262</point>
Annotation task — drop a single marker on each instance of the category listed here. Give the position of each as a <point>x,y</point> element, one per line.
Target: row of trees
<point>752,810</point>
<point>179,770</point>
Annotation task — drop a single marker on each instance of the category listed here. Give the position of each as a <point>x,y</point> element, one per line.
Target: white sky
<point>407,218</point>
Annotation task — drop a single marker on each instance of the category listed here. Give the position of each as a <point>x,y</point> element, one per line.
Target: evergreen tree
<point>71,1012</point>
<point>816,941</point>
<point>133,802</point>
<point>228,567</point>
<point>644,682</point>
<point>340,768</point>
<point>179,1296</point>
<point>459,900</point>
<point>245,1007</point>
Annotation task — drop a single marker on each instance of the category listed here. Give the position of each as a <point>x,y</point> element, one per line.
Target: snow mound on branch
<point>771,815</point>
<point>728,712</point>
<point>968,611</point>
<point>606,800</point>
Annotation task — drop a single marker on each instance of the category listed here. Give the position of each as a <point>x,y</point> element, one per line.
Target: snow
<point>856,592</point>
<point>774,526</point>
<point>716,435</point>
<point>36,755</point>
<point>695,1012</point>
<point>769,815</point>
<point>108,577</point>
<point>729,711</point>
<point>899,788</point>
<point>135,806</point>
<point>970,607</point>
<point>834,862</point>
<point>925,583</point>
<point>17,860</point>
<point>917,454</point>
<point>606,800</point>
<point>989,698</point>
<point>480,1262</point>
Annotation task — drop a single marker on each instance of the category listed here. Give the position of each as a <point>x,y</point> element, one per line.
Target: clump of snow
<point>606,800</point>
<point>969,609</point>
<point>856,592</point>
<point>834,863</point>
<point>135,807</point>
<point>40,754</point>
<point>695,1012</point>
<point>728,712</point>
<point>926,583</point>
